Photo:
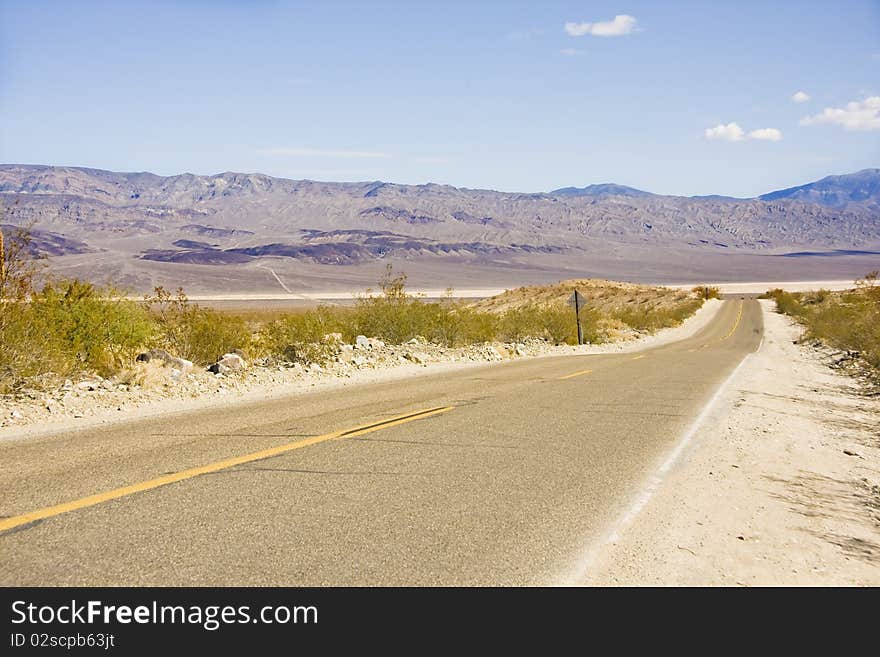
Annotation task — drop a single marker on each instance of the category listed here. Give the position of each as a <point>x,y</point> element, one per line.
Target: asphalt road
<point>504,476</point>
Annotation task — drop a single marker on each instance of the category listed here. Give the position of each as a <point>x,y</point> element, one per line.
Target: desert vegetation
<point>61,329</point>
<point>848,320</point>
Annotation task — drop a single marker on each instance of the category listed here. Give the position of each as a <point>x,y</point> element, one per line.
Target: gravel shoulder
<point>96,402</point>
<point>780,486</point>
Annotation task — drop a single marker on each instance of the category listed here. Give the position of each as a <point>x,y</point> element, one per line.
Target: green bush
<point>68,328</point>
<point>197,334</point>
<point>306,337</point>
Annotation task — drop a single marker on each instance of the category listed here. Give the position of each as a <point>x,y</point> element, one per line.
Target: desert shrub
<point>652,318</point>
<point>69,327</point>
<point>100,329</point>
<point>706,292</point>
<point>395,316</point>
<point>308,336</point>
<point>460,325</point>
<point>554,323</point>
<point>197,334</point>
<point>847,320</point>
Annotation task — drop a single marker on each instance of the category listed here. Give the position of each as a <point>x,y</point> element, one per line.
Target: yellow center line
<point>571,376</point>
<point>116,493</point>
<point>736,323</point>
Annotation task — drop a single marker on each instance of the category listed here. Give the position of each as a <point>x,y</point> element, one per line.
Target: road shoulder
<point>781,485</point>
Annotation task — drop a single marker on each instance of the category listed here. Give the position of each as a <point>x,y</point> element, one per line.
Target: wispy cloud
<point>733,132</point>
<point>857,115</point>
<point>621,25</point>
<point>800,97</point>
<point>571,52</point>
<point>320,152</point>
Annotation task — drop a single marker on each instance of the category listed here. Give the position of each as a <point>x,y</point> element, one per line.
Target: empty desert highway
<point>499,474</point>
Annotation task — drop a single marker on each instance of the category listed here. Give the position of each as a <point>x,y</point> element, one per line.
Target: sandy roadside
<point>781,485</point>
<point>42,414</point>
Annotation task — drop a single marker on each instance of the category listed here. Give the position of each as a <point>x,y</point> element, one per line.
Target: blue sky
<point>516,96</point>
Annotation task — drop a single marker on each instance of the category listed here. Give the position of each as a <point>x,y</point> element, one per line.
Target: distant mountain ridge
<point>233,228</point>
<point>603,189</point>
<point>835,191</point>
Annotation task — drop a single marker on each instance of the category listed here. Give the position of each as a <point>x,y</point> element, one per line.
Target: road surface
<point>503,474</point>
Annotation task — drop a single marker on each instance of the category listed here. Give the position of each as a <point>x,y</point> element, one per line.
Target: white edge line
<point>577,574</point>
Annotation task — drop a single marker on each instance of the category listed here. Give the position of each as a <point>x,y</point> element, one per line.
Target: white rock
<point>233,361</point>
<point>361,342</point>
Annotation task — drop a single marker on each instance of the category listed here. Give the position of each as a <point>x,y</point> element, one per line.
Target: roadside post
<point>577,301</point>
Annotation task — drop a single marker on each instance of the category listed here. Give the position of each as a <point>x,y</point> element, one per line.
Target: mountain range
<point>237,232</point>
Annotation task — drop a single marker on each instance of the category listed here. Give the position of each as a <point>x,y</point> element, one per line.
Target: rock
<point>179,363</point>
<point>520,350</point>
<point>15,415</point>
<point>375,343</point>
<point>491,353</point>
<point>314,367</point>
<point>415,357</point>
<point>218,369</point>
<point>361,342</point>
<point>233,361</point>
<point>87,385</point>
<point>359,361</point>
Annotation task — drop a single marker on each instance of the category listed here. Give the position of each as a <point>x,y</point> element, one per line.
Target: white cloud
<point>622,24</point>
<point>857,115</point>
<point>729,132</point>
<point>571,52</point>
<point>801,97</point>
<point>318,152</point>
<point>766,134</point>
<point>733,132</point>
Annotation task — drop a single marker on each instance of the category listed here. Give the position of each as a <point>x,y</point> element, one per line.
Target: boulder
<point>179,363</point>
<point>218,368</point>
<point>233,361</point>
<point>361,342</point>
